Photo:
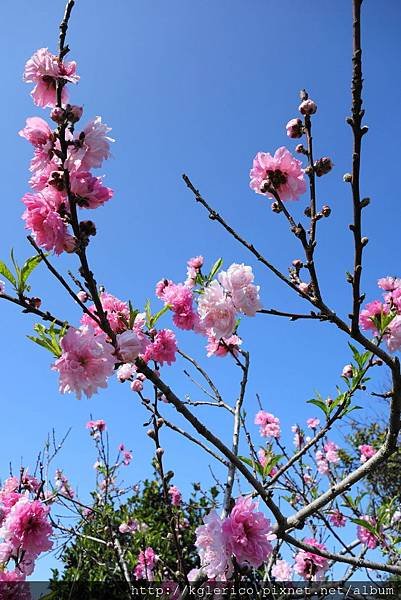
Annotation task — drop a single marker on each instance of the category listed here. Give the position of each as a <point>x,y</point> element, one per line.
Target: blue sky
<point>198,87</point>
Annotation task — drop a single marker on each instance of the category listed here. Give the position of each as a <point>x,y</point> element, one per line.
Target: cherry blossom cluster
<point>245,535</point>
<point>383,318</point>
<point>25,529</point>
<point>212,305</point>
<point>63,159</point>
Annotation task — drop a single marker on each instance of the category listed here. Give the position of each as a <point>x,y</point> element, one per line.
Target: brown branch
<point>293,316</point>
<point>28,308</point>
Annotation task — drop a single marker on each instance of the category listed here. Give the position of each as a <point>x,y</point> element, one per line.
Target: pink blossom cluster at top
<point>269,424</point>
<point>146,563</point>
<point>310,565</point>
<point>175,495</point>
<point>213,308</point>
<point>337,518</point>
<point>47,209</point>
<point>282,173</point>
<point>24,527</point>
<point>371,315</point>
<point>245,534</point>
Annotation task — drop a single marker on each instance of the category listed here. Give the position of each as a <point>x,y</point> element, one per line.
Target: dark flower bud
<point>326,210</point>
<point>307,107</point>
<point>323,166</point>
<point>294,128</point>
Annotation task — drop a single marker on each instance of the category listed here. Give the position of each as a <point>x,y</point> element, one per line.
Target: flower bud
<point>137,386</point>
<point>300,149</point>
<point>150,433</point>
<point>326,210</point>
<point>276,207</point>
<point>159,452</point>
<point>323,166</point>
<point>297,263</point>
<point>57,115</point>
<point>303,287</point>
<point>83,296</point>
<point>35,302</point>
<point>347,371</point>
<point>347,177</point>
<point>160,422</point>
<point>294,128</point>
<point>307,107</point>
<point>74,113</point>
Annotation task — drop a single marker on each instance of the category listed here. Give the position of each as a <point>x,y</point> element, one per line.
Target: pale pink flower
<point>63,485</point>
<point>247,533</point>
<point>269,424</point>
<point>175,495</point>
<point>283,171</point>
<point>394,299</point>
<point>118,314</point>
<point>44,70</point>
<point>127,457</point>
<point>331,450</point>
<point>196,262</point>
<point>222,346</point>
<point>263,458</point>
<point>364,535</point>
<point>36,131</point>
<point>43,169</point>
<point>163,348</point>
<point>294,128</point>
<point>337,518</point>
<point>216,310</point>
<point>130,527</point>
<point>313,422</point>
<point>348,371</point>
<point>236,277</point>
<point>215,560</point>
<point>180,300</point>
<point>83,296</point>
<point>393,334</point>
<point>371,311</point>
<point>298,439</point>
<point>321,462</point>
<point>97,426</point>
<point>42,217</point>
<point>86,362</point>
<point>89,190</point>
<point>247,300</point>
<point>146,563</point>
<point>91,148</point>
<point>161,286</point>
<point>303,287</point>
<point>389,284</point>
<point>130,345</point>
<point>125,372</point>
<point>137,385</point>
<point>367,451</point>
<point>282,571</point>
<point>26,527</point>
<point>310,565</point>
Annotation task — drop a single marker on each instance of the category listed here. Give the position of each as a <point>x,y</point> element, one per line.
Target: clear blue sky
<point>198,87</point>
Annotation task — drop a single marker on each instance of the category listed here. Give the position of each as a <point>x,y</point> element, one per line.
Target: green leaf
<point>133,312</point>
<point>29,265</point>
<point>272,463</point>
<point>148,313</point>
<point>156,317</point>
<point>365,525</point>
<point>320,404</point>
<point>216,267</point>
<point>5,271</point>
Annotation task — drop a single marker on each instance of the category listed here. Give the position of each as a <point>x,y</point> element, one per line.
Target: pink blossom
<point>371,311</point>
<point>310,565</point>
<point>26,527</point>
<point>303,287</point>
<point>146,563</point>
<point>91,147</point>
<point>393,334</point>
<point>118,314</point>
<point>43,218</point>
<point>163,348</point>
<point>86,362</point>
<point>222,346</point>
<point>175,495</point>
<point>130,345</point>
<point>63,485</point>
<point>337,518</point>
<point>236,277</point>
<point>367,451</point>
<point>216,310</point>
<point>313,422</point>
<point>196,262</point>
<point>389,284</point>
<point>137,385</point>
<point>283,171</point>
<point>248,533</point>
<point>45,70</point>
<point>89,191</point>
<point>282,571</point>
<point>127,457</point>
<point>307,107</point>
<point>394,299</point>
<point>129,527</point>
<point>125,372</point>
<point>43,169</point>
<point>348,371</point>
<point>269,424</point>
<point>96,426</point>
<point>83,296</point>
<point>161,286</point>
<point>247,300</point>
<point>179,298</point>
<point>263,458</point>
<point>365,536</point>
<point>331,450</point>
<point>36,131</point>
<point>321,462</point>
<point>294,128</point>
<point>215,560</point>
